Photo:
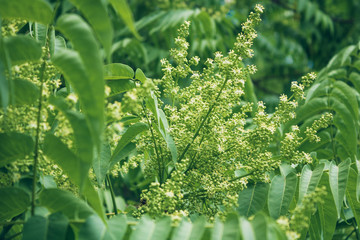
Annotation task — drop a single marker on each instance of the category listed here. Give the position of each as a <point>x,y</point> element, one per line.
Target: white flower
<point>169,194</point>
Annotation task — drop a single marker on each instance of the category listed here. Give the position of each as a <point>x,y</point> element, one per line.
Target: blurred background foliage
<point>296,36</point>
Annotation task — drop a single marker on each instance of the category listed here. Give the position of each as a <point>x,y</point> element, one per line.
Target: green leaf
<point>13,202</point>
<point>57,200</point>
<point>118,71</point>
<point>40,33</point>
<point>127,137</point>
<point>252,199</point>
<point>14,146</point>
<point>35,10</point>
<point>22,49</point>
<point>351,194</point>
<point>101,164</point>
<point>35,228</point>
<point>148,229</point>
<point>327,210</point>
<point>246,229</point>
<point>281,193</point>
<point>74,167</point>
<point>84,71</point>
<point>97,15</point>
<point>117,226</point>
<point>5,70</point>
<point>119,86</point>
<point>82,135</point>
<point>309,180</point>
<point>183,231</point>
<point>338,177</point>
<point>54,227</point>
<point>92,229</point>
<point>139,75</point>
<point>122,8</point>
<point>25,92</point>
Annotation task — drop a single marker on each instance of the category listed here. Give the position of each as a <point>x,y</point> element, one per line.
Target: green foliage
<point>91,149</point>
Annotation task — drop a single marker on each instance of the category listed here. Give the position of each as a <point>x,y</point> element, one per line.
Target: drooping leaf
<point>22,49</point>
<point>74,167</point>
<point>13,201</point>
<point>122,8</point>
<point>230,230</point>
<point>309,180</point>
<point>96,13</point>
<point>252,199</point>
<point>82,135</point>
<point>281,193</point>
<point>84,70</point>
<point>36,10</point>
<point>338,177</point>
<point>327,210</point>
<point>14,146</point>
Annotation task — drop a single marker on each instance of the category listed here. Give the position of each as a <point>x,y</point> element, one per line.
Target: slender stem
<point>37,137</point>
<point>155,145</point>
<point>112,193</point>
<point>203,121</point>
<point>349,235</point>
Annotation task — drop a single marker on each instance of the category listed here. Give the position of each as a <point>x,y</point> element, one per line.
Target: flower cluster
<point>219,147</point>
<point>324,121</point>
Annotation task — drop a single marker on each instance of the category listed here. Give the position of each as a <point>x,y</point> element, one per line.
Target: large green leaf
<point>327,210</point>
<point>123,9</point>
<point>351,194</point>
<point>57,200</point>
<point>54,227</point>
<point>84,71</point>
<point>13,202</point>
<point>227,230</point>
<point>35,10</point>
<point>25,92</point>
<point>82,135</point>
<point>117,226</point>
<point>96,13</point>
<point>281,193</point>
<point>252,199</point>
<point>309,180</point>
<point>246,229</point>
<point>75,168</point>
<point>338,177</point>
<point>148,229</point>
<point>22,49</point>
<point>92,229</point>
<point>14,146</point>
